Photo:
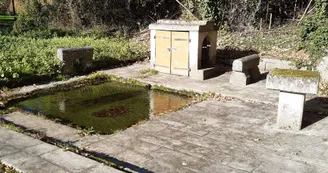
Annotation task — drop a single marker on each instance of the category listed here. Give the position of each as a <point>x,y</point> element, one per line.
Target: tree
<point>13,4</point>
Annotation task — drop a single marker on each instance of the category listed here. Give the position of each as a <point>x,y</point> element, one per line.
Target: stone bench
<point>293,86</point>
<point>71,55</point>
<point>245,70</point>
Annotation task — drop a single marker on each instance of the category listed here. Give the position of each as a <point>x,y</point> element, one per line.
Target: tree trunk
<point>14,10</point>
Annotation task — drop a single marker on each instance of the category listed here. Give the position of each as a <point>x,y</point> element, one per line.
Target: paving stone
<point>5,134</point>
<point>187,170</point>
<point>123,139</point>
<point>109,148</point>
<point>7,149</point>
<point>160,166</point>
<point>171,158</point>
<point>68,160</point>
<point>33,156</point>
<point>102,169</point>
<point>194,150</point>
<point>244,164</point>
<point>62,133</point>
<point>153,126</point>
<point>134,157</point>
<point>41,149</point>
<point>25,162</point>
<point>170,133</point>
<point>88,140</point>
<point>21,141</point>
<point>144,147</point>
<point>174,124</point>
<point>275,164</point>
<point>220,168</point>
<point>161,141</point>
<point>197,129</point>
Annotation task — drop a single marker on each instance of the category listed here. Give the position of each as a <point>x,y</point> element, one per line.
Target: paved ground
<point>27,154</point>
<point>211,136</point>
<point>219,85</point>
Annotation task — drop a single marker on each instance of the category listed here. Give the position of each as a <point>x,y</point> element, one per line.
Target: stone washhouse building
<point>184,48</point>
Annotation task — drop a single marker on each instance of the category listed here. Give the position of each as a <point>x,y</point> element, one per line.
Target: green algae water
<point>106,108</point>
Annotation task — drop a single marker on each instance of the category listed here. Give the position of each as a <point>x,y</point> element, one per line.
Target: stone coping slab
<point>245,63</point>
<point>30,155</point>
<point>295,81</point>
<point>178,25</point>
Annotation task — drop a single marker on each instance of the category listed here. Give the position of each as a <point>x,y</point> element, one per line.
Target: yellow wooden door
<point>180,53</point>
<point>163,53</point>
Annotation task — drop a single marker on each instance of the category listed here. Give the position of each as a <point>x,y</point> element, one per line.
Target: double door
<point>172,52</point>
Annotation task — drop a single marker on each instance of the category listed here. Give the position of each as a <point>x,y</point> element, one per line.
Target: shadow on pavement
<point>315,110</point>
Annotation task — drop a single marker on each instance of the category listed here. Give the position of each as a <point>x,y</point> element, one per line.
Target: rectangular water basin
<point>106,107</point>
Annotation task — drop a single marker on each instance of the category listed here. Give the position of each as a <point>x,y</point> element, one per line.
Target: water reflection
<point>107,107</point>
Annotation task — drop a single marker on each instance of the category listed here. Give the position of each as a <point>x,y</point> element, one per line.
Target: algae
<point>295,73</point>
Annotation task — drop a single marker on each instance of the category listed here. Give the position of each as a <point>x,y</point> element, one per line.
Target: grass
<point>5,19</point>
<point>147,72</point>
<point>295,73</point>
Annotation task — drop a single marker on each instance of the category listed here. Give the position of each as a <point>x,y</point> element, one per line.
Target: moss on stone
<point>295,73</point>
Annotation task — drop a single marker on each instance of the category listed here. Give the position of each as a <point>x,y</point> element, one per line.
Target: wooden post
<point>261,22</point>
<point>267,12</point>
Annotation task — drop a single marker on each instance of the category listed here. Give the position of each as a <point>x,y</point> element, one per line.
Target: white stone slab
<point>245,63</point>
<point>290,111</point>
<point>323,69</point>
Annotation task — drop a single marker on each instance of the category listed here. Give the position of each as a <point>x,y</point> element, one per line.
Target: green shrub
<point>47,33</point>
<point>314,33</point>
<point>36,15</point>
<point>24,56</point>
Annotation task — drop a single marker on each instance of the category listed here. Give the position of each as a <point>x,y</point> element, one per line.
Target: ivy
<point>314,33</point>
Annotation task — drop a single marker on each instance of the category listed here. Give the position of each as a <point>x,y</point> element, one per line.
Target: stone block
<point>290,111</point>
<point>204,74</point>
<point>240,78</point>
<point>271,64</point>
<point>296,81</point>
<point>69,56</point>
<point>255,74</point>
<point>245,63</point>
<point>322,68</point>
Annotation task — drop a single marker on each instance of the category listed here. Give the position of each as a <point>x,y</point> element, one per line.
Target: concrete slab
<point>45,126</point>
<point>29,155</point>
<point>290,111</point>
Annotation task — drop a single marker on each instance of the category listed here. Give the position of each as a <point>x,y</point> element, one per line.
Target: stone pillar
<point>194,53</point>
<point>293,86</point>
<point>290,110</point>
